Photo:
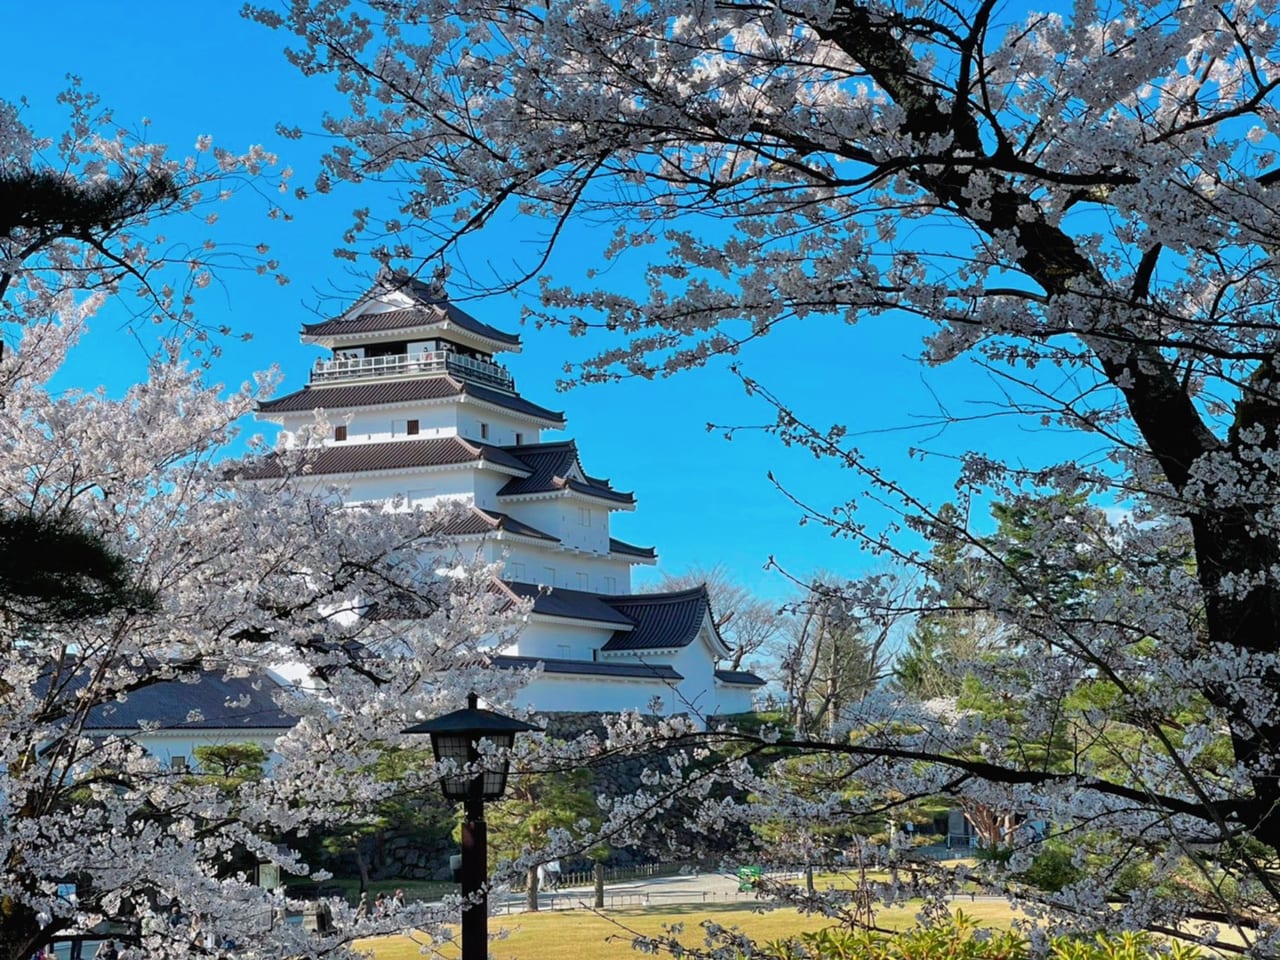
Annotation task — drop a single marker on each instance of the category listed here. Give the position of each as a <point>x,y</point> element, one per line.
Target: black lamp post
<point>456,736</point>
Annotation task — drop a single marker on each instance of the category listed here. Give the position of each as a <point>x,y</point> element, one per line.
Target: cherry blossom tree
<point>1091,190</point>
<point>152,566</point>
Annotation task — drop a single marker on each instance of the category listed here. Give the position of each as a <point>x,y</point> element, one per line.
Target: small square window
<point>178,762</point>
<point>340,433</point>
<point>411,428</point>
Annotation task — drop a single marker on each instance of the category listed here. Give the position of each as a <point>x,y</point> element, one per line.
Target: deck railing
<point>407,364</point>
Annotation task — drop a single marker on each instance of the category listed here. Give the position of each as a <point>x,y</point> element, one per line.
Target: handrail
<point>427,362</point>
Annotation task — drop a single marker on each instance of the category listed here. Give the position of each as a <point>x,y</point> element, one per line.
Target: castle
<point>422,414</point>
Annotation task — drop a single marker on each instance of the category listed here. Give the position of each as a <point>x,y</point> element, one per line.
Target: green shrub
<point>963,939</point>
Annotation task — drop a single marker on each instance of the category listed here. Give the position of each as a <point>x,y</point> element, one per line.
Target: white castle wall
<point>527,564</point>
<point>556,692</point>
<point>559,641</point>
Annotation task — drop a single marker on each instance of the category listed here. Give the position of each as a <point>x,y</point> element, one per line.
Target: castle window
<point>178,762</point>
<point>584,516</point>
<point>515,571</point>
<point>549,576</point>
<point>411,428</point>
<point>519,439</point>
<point>582,581</point>
<point>564,651</point>
<point>484,431</point>
<point>340,433</point>
<point>610,584</point>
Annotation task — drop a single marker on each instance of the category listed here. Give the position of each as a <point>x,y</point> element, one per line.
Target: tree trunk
<point>531,904</point>
<point>808,879</point>
<point>362,864</point>
<point>598,870</point>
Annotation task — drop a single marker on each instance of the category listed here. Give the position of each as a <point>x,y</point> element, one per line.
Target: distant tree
<point>837,650</point>
<point>232,763</point>
<point>536,806</point>
<point>953,632</point>
<point>389,809</point>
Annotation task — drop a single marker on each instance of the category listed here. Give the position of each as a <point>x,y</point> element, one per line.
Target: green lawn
<point>580,933</point>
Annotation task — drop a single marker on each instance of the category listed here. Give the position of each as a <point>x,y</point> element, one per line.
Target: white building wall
<point>379,426</point>
<point>544,515</point>
<point>696,693</point>
<point>501,429</point>
<point>584,527</point>
<point>421,489</point>
<point>364,426</point>
<point>735,698</point>
<point>487,485</point>
<point>530,564</point>
<point>559,640</point>
<point>557,692</point>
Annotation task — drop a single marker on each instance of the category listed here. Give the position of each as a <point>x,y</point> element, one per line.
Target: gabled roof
<point>554,467</point>
<point>477,522</point>
<point>662,620</point>
<point>739,677</point>
<point>215,699</point>
<point>570,604</point>
<point>592,668</point>
<point>431,305</point>
<point>346,458</point>
<point>402,391</point>
<point>644,621</point>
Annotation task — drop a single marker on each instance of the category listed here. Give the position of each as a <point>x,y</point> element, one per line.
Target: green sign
<point>748,877</point>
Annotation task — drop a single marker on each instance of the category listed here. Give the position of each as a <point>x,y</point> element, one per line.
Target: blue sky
<point>198,68</point>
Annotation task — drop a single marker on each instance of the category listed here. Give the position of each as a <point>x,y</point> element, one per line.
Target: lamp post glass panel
<point>456,736</point>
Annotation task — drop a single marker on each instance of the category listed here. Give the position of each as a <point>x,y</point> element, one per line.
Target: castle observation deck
<point>403,365</point>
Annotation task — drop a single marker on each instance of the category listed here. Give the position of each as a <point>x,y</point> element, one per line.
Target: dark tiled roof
<point>168,705</point>
<point>363,395</point>
<point>651,671</point>
<point>476,521</point>
<point>662,620</point>
<point>573,604</point>
<point>550,466</point>
<point>434,308</point>
<point>741,677</point>
<point>621,546</point>
<point>401,391</point>
<point>344,458</point>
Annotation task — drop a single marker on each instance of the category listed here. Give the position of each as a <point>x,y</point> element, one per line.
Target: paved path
<point>642,892</point>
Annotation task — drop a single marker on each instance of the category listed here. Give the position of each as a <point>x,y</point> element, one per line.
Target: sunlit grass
<point>582,935</point>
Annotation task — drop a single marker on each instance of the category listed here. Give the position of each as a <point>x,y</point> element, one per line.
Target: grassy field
<point>582,934</point>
